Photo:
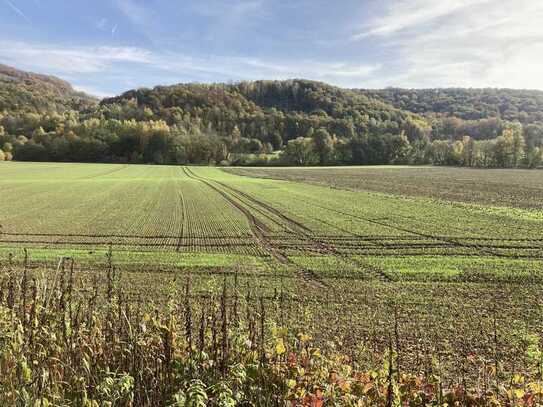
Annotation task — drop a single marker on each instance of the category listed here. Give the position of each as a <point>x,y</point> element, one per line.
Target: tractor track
<point>259,229</point>
<point>183,221</point>
<point>307,234</point>
<point>481,249</point>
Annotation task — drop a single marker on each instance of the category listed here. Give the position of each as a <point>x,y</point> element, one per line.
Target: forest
<point>292,122</point>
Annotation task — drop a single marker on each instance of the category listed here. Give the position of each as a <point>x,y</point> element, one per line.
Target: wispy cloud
<point>143,19</point>
<point>474,43</point>
<point>17,10</point>
<point>407,14</point>
<point>155,66</point>
<point>234,9</point>
<point>486,43</point>
<point>226,68</point>
<point>69,59</point>
<point>102,24</point>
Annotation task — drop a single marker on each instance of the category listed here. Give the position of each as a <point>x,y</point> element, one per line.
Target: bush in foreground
<point>61,345</point>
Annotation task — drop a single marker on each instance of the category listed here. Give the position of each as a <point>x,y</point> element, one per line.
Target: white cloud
<point>491,43</point>
<point>69,59</point>
<point>486,43</point>
<point>89,90</point>
<point>244,68</point>
<point>102,24</point>
<point>407,14</point>
<point>105,26</point>
<point>76,61</point>
<point>235,9</point>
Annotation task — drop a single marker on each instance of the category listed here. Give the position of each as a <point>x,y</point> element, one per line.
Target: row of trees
<point>483,129</point>
<point>131,141</point>
<point>203,123</point>
<point>119,141</point>
<point>508,150</point>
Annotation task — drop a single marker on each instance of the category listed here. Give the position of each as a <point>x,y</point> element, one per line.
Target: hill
<point>290,122</point>
<point>267,110</point>
<point>525,106</point>
<point>22,91</point>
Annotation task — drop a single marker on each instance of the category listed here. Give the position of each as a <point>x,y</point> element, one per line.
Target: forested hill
<point>292,122</point>
<point>22,91</point>
<point>270,111</point>
<point>317,98</point>
<point>525,106</point>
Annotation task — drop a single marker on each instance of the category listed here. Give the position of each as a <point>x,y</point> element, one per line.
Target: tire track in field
<point>368,238</point>
<point>102,174</point>
<point>453,241</point>
<point>420,234</point>
<point>183,221</point>
<point>259,229</point>
<point>300,228</point>
<point>307,234</point>
<point>377,271</point>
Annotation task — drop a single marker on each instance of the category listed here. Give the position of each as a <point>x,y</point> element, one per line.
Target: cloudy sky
<point>107,46</point>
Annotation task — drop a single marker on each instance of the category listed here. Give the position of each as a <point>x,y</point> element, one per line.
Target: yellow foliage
<point>280,347</point>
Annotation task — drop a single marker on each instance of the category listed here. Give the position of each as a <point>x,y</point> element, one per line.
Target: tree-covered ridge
<point>264,109</point>
<point>28,92</point>
<point>525,106</point>
<point>318,98</point>
<point>293,122</point>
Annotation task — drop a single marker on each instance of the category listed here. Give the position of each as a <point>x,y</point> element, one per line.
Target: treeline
<point>509,150</point>
<point>293,122</point>
<point>132,141</point>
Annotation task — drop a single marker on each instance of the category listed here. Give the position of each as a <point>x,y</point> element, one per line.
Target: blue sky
<point>105,47</point>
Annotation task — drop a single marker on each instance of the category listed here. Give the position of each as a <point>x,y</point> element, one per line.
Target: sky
<point>105,47</point>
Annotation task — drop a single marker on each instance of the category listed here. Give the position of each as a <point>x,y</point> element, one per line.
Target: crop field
<point>441,270</point>
<point>493,187</point>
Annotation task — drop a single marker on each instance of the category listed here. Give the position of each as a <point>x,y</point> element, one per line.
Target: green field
<point>206,217</point>
<point>450,270</point>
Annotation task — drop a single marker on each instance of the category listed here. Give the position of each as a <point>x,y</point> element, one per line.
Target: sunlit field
<point>363,269</point>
